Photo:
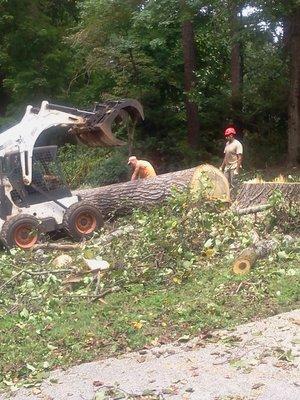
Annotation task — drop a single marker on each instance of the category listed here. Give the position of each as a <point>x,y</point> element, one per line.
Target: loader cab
<point>47,178</point>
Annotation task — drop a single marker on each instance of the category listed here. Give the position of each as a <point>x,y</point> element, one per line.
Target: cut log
<point>255,194</point>
<point>245,261</point>
<point>122,198</point>
<point>248,257</point>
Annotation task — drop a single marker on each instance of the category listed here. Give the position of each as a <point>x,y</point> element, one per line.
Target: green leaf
<point>184,339</point>
<point>100,395</point>
<point>208,244</point>
<point>89,254</point>
<point>24,313</point>
<point>30,367</point>
<point>51,347</point>
<point>46,365</point>
<point>282,255</point>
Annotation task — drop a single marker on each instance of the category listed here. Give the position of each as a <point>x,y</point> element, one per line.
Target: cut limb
<point>122,198</point>
<point>248,257</point>
<point>56,246</point>
<point>252,210</point>
<point>255,194</point>
<point>104,239</point>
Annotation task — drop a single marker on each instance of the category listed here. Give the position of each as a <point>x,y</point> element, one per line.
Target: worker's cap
<point>131,159</point>
<point>230,131</point>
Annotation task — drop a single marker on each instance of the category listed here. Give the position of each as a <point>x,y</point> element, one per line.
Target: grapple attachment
<point>97,127</point>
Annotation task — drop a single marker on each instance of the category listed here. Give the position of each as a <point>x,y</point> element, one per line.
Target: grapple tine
<point>97,131</point>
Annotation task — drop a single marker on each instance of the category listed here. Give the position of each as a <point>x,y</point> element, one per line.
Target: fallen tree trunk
<point>122,198</point>
<point>255,194</point>
<point>248,257</point>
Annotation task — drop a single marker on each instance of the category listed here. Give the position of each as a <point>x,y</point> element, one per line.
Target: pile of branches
<point>161,247</point>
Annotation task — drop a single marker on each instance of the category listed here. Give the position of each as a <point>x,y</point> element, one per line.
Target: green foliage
<point>35,63</point>
<point>284,217</point>
<point>79,52</point>
<point>84,166</point>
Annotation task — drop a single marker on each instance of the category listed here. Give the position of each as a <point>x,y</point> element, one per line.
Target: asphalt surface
<point>258,360</point>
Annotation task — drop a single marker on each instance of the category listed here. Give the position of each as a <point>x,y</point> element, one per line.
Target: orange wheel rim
<point>25,236</point>
<point>86,223</point>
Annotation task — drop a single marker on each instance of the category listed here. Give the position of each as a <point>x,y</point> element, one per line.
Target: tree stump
<point>255,194</point>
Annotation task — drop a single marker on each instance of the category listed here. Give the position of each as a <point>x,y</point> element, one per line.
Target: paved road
<point>259,360</point>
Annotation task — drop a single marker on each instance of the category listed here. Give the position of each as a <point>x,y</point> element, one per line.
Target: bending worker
<point>233,155</point>
<point>141,169</point>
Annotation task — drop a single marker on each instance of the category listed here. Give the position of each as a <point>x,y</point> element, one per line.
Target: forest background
<point>196,66</point>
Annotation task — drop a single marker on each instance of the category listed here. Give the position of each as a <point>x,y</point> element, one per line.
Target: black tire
<point>82,219</point>
<point>20,231</point>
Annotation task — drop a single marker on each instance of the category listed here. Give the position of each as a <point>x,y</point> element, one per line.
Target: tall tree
<point>189,54</point>
<point>287,13</point>
<point>294,101</point>
<point>236,57</point>
<point>234,11</point>
<point>34,61</point>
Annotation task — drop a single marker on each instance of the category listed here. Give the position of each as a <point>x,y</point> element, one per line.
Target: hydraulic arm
<point>93,128</point>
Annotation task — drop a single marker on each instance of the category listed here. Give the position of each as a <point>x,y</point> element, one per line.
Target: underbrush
<point>85,166</point>
<point>92,167</point>
<point>170,276</point>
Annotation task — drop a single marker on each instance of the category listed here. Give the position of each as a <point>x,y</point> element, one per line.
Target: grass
<point>141,315</point>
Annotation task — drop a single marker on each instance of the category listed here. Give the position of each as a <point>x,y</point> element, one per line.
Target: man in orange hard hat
<point>141,169</point>
<point>233,155</point>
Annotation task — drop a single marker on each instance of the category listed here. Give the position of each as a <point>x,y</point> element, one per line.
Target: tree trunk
<point>122,198</point>
<point>4,98</point>
<point>236,59</point>
<point>189,56</point>
<point>294,102</point>
<point>255,194</point>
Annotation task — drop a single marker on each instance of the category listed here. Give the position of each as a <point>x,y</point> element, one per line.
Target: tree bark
<point>189,57</point>
<point>255,194</point>
<point>294,102</point>
<point>122,198</point>
<point>236,70</point>
<point>4,98</point>
<point>236,60</point>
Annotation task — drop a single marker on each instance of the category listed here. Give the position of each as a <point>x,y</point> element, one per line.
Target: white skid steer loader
<point>33,195</point>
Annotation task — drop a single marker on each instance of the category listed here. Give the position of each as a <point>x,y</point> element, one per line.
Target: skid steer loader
<point>34,197</point>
